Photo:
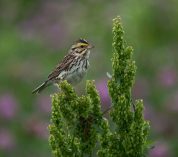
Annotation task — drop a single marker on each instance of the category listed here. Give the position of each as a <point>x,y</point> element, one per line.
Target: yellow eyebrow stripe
<point>82,44</point>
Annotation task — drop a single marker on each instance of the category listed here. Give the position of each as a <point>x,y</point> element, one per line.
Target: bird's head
<point>81,47</point>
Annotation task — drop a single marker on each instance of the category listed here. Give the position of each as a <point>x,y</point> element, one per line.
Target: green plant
<point>78,127</point>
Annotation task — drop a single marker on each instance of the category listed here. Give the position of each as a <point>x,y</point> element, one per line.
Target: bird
<point>72,68</point>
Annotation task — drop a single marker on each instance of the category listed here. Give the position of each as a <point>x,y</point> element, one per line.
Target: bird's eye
<point>82,46</point>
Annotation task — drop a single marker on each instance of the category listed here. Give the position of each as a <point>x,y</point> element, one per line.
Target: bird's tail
<point>40,88</point>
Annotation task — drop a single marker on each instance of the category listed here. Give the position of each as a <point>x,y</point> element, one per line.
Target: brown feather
<point>62,66</point>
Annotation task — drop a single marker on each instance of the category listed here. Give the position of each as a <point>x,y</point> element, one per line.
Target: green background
<point>35,35</point>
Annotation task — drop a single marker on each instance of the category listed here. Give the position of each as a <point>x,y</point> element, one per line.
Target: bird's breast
<point>76,74</point>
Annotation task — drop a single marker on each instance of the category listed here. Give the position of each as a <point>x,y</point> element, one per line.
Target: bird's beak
<point>90,46</point>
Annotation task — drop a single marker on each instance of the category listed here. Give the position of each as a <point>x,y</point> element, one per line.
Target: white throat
<point>87,54</point>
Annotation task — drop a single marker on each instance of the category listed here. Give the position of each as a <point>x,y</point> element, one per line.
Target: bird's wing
<point>63,66</point>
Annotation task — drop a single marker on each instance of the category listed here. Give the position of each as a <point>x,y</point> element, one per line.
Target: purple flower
<point>103,91</point>
<point>167,77</point>
<point>6,140</point>
<point>44,103</point>
<point>36,127</point>
<point>156,120</point>
<point>160,150</point>
<point>8,106</point>
<point>46,24</point>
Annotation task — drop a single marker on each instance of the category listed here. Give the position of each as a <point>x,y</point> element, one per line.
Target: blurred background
<point>36,34</point>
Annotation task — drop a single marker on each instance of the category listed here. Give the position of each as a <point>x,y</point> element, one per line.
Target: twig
<point>133,105</point>
<point>108,109</point>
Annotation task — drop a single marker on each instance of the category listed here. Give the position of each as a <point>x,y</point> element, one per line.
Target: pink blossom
<point>8,106</point>
<point>156,120</point>
<point>103,91</point>
<point>6,140</point>
<point>48,24</point>
<point>167,77</point>
<point>160,150</point>
<point>35,127</point>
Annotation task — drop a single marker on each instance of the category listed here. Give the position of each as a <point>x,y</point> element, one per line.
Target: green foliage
<point>131,131</point>
<point>74,130</point>
<point>78,127</point>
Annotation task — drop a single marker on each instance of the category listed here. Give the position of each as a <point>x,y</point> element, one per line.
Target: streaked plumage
<point>72,68</point>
